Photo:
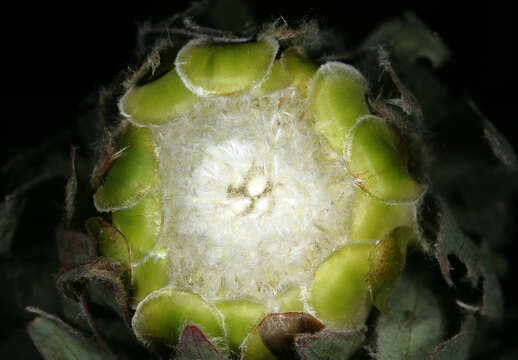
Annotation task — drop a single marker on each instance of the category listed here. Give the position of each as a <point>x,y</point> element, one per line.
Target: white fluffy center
<point>254,199</point>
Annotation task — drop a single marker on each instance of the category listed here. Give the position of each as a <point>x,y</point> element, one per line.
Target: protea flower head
<point>260,198</point>
<point>250,180</point>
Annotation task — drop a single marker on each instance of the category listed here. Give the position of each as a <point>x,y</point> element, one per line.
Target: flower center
<point>253,198</point>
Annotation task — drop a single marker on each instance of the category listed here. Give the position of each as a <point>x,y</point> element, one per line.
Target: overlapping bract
<point>383,210</point>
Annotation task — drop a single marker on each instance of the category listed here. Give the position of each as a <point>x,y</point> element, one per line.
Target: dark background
<point>53,55</point>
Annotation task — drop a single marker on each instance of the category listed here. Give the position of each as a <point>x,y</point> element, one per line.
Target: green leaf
<point>55,340</point>
<point>457,347</point>
<point>328,345</point>
<point>194,345</point>
<point>414,325</point>
<point>452,241</point>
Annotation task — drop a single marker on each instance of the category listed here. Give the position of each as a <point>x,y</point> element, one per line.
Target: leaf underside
<point>452,241</point>
<point>413,326</point>
<point>56,340</point>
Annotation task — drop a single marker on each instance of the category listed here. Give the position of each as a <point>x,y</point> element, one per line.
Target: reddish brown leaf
<point>75,247</point>
<point>98,280</point>
<point>70,191</point>
<point>194,345</point>
<point>277,330</point>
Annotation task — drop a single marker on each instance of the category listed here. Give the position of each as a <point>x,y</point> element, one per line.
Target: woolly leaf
<point>413,326</point>
<point>99,280</point>
<point>498,218</point>
<point>492,298</point>
<point>74,247</point>
<point>194,345</point>
<point>407,101</point>
<point>10,210</point>
<point>457,347</point>
<point>500,146</point>
<point>70,191</point>
<point>55,340</point>
<point>44,162</point>
<point>328,346</point>
<point>410,39</point>
<point>453,241</point>
<point>108,329</point>
<point>231,14</point>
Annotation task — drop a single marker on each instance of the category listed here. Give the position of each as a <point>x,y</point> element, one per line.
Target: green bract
<point>133,175</point>
<point>250,181</point>
<point>161,101</point>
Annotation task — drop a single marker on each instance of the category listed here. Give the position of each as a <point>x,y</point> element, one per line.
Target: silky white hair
<point>254,199</point>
